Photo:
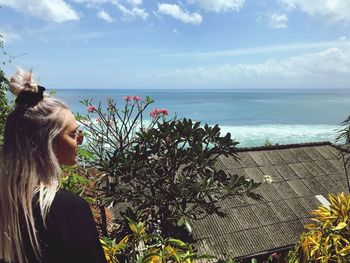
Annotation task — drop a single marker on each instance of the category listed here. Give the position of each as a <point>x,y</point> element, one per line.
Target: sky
<point>188,44</point>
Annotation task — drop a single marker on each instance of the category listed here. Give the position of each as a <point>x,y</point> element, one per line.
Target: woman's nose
<point>80,137</point>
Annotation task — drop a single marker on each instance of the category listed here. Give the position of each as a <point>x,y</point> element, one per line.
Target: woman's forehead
<point>70,120</point>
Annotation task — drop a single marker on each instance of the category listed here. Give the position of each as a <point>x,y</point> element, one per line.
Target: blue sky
<point>188,44</point>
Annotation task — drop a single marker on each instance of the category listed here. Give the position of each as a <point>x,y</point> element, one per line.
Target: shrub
<point>140,246</point>
<point>74,181</point>
<point>328,240</point>
<point>4,105</point>
<point>268,143</point>
<point>164,168</point>
<point>344,139</point>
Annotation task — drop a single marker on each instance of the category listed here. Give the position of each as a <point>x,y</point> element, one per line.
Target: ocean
<point>251,116</point>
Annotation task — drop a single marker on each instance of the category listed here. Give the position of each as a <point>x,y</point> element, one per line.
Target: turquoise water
<point>250,116</point>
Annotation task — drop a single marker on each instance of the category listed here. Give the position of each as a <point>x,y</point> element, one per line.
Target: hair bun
<point>23,80</point>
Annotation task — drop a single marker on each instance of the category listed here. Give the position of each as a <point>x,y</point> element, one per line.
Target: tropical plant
<point>4,104</point>
<point>165,168</point>
<point>141,247</point>
<point>344,139</point>
<point>113,249</point>
<point>328,239</point>
<point>73,180</point>
<point>268,143</point>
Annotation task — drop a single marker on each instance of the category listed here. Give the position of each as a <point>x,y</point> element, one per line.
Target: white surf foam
<point>281,133</point>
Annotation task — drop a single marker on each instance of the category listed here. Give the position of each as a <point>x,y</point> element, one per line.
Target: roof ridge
<point>285,146</point>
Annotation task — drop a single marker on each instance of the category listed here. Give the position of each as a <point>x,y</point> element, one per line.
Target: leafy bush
<point>164,168</point>
<point>141,247</point>
<point>4,105</point>
<point>73,181</point>
<point>328,240</point>
<point>344,140</point>
<point>268,143</point>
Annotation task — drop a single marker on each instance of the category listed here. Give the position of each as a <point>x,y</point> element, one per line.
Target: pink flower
<point>136,98</point>
<point>111,122</point>
<point>165,111</point>
<point>98,120</point>
<point>128,98</point>
<point>91,108</point>
<point>157,112</point>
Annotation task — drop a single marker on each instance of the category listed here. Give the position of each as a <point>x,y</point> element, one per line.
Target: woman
<point>38,222</point>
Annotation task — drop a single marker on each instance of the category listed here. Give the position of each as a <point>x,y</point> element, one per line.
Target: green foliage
<point>164,168</point>
<point>344,133</point>
<point>74,182</point>
<point>268,143</point>
<point>4,105</point>
<point>139,246</point>
<point>344,139</point>
<point>328,239</point>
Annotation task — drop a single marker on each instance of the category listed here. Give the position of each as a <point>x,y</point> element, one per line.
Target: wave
<point>256,135</point>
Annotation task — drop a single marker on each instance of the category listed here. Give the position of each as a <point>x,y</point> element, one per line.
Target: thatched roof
<point>300,173</point>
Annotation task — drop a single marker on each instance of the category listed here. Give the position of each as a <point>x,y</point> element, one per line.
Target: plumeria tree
<point>165,169</point>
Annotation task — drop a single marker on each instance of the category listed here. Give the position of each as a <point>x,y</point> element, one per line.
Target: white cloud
<point>261,49</point>
<point>218,5</point>
<point>51,10</point>
<point>133,12</point>
<point>278,21</point>
<point>327,69</point>
<point>105,16</point>
<point>135,2</point>
<point>176,12</point>
<point>96,2</point>
<point>333,10</point>
<point>130,9</point>
<point>342,38</point>
<point>8,35</point>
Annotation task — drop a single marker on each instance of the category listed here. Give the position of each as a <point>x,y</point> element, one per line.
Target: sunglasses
<point>78,135</point>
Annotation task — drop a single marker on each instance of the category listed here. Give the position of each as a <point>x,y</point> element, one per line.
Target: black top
<point>70,234</point>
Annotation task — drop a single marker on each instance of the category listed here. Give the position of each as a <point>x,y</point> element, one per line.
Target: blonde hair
<point>29,166</point>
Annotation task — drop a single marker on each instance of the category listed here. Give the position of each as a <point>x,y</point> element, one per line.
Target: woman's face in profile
<point>67,141</point>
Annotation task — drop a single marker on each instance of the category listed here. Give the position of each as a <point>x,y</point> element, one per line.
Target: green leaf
<point>84,153</point>
<point>178,243</point>
<point>148,100</point>
<point>153,236</point>
<point>340,226</point>
<point>149,257</point>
